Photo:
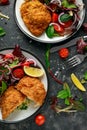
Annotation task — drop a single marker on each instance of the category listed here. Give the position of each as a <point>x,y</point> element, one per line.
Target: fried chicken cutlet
<point>36,16</point>
<point>10,100</point>
<point>33,89</point>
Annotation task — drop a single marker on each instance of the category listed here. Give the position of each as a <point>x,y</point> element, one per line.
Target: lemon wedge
<point>77,82</point>
<point>34,72</point>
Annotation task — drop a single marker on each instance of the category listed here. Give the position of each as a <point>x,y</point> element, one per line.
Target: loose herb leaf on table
<point>71,104</point>
<point>2,32</point>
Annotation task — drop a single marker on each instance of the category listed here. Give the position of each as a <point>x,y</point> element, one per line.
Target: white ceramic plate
<point>43,38</point>
<point>19,115</point>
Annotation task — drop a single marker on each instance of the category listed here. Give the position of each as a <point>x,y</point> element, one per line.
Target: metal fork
<point>76,60</point>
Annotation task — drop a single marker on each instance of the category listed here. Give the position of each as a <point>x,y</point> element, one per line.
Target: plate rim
<point>49,42</point>
<point>47,93</point>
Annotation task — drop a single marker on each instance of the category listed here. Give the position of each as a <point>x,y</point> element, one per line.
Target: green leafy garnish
<point>67,88</point>
<point>3,70</point>
<point>14,63</point>
<point>65,93</point>
<point>85,75</point>
<point>47,56</point>
<point>67,4</point>
<point>62,94</point>
<point>50,31</point>
<point>24,105</point>
<point>67,101</point>
<point>2,32</point>
<point>3,87</point>
<point>65,17</point>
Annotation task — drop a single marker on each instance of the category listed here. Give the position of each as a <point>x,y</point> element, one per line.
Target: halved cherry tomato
<point>40,119</point>
<point>58,28</point>
<point>63,53</point>
<point>54,17</point>
<point>67,24</point>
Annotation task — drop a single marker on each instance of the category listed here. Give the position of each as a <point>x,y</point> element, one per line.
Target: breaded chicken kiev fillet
<point>36,16</point>
<point>33,89</point>
<point>10,100</point>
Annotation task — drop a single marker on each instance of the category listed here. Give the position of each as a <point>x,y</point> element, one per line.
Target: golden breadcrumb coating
<point>33,89</point>
<point>10,100</point>
<point>36,16</point>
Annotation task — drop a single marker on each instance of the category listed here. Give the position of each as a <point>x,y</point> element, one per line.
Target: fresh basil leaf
<point>62,94</point>
<point>78,106</point>
<point>2,32</point>
<point>66,87</point>
<point>3,87</point>
<point>67,101</point>
<point>50,31</point>
<point>65,17</point>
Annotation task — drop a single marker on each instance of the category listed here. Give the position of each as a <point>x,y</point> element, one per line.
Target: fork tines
<point>72,62</point>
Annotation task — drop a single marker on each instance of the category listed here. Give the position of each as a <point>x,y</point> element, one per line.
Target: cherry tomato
<point>4,2</point>
<point>40,119</point>
<point>58,28</point>
<point>67,24</point>
<point>63,53</point>
<point>54,17</point>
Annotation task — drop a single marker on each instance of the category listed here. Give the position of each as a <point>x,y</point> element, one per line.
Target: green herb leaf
<point>65,17</point>
<point>85,75</point>
<point>67,4</point>
<point>3,87</point>
<point>47,56</point>
<point>66,87</point>
<point>2,32</point>
<point>62,94</point>
<point>14,63</point>
<point>50,31</point>
<point>24,105</point>
<point>67,101</point>
<point>78,106</point>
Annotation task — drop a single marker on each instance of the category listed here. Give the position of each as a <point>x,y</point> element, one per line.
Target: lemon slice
<point>34,72</point>
<point>77,82</point>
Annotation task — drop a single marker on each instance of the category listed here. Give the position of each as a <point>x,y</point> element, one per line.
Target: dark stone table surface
<point>54,121</point>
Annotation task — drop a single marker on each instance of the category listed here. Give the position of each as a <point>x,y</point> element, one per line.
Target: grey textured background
<point>53,120</point>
